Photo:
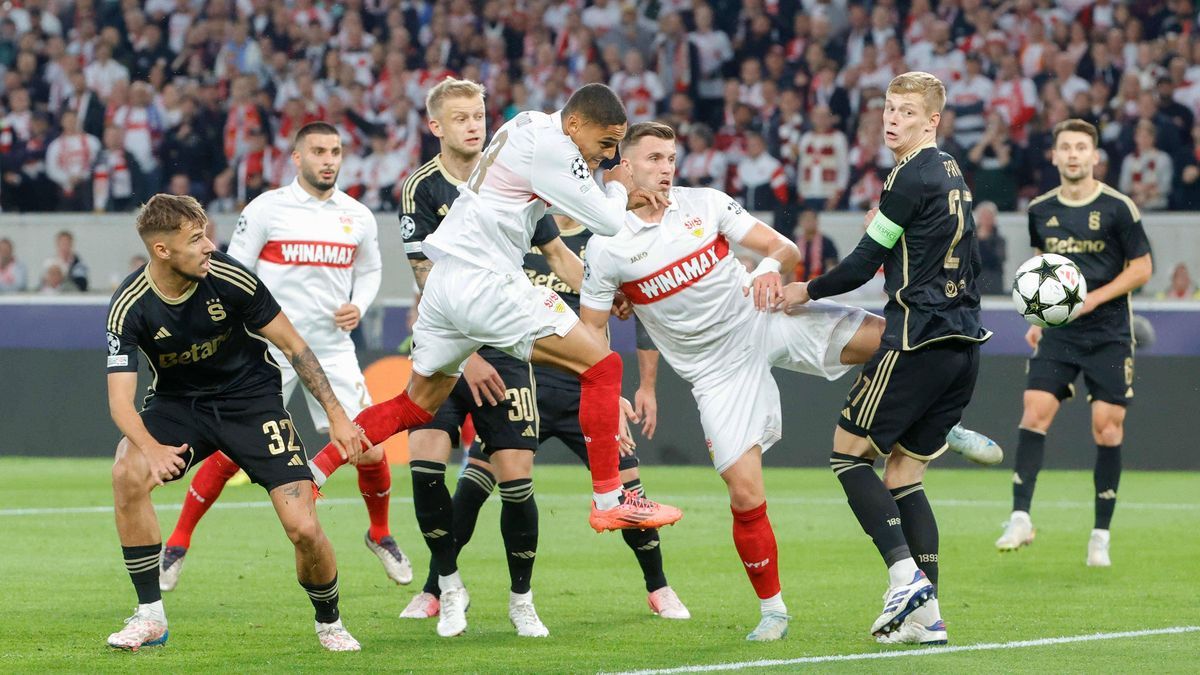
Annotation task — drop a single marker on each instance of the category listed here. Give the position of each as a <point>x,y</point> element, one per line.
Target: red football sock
<point>206,486</point>
<point>380,422</point>
<point>600,420</point>
<point>755,543</point>
<point>375,484</point>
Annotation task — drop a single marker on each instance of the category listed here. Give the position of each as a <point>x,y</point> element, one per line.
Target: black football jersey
<point>1100,234</point>
<point>425,200</point>
<point>929,274</point>
<point>202,344</point>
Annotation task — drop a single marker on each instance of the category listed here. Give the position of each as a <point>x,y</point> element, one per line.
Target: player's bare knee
<point>900,470</point>
<point>1040,407</point>
<point>130,471</point>
<point>304,533</point>
<point>1108,429</point>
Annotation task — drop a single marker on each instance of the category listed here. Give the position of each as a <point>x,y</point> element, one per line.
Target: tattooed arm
<point>342,432</point>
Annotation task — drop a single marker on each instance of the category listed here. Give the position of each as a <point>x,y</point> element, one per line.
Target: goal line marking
<point>930,651</point>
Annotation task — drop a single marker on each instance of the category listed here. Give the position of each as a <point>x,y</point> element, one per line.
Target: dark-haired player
<point>915,387</point>
<point>203,323</point>
<point>1101,231</point>
<point>317,249</point>
<point>477,295</point>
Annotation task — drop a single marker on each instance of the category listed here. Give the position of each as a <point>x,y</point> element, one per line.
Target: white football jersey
<point>530,167</point>
<point>685,284</point>
<point>314,256</point>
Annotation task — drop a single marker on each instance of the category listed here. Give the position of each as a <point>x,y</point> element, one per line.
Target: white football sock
<point>607,500</point>
<point>773,604</point>
<point>902,572</point>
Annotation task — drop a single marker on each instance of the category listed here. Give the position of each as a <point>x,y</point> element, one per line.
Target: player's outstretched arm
<point>778,253</point>
<point>342,432</point>
<point>860,266</point>
<point>564,262</point>
<point>165,461</point>
<point>1134,276</point>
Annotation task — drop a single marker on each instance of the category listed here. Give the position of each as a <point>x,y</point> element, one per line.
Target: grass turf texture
<point>238,604</point>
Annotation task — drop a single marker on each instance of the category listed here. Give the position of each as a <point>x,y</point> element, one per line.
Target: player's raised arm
<point>342,432</point>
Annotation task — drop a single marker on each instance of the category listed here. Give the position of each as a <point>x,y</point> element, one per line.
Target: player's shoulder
<point>908,176</point>
<point>227,274</point>
<point>127,300</point>
<point>348,202</point>
<point>268,200</point>
<point>1120,202</point>
<point>1047,201</point>
<point>422,175</point>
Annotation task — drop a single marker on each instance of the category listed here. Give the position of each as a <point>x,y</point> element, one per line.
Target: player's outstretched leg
<point>141,546</point>
<point>375,486</point>
<point>207,484</point>
<point>599,371</point>
<point>316,567</point>
<point>646,547</point>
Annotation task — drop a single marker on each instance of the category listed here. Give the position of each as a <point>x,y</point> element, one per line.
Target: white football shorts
<point>465,307</point>
<point>345,378</point>
<point>738,398</point>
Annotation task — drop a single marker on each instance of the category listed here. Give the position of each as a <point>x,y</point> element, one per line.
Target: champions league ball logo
<point>579,169</point>
<point>114,344</point>
<point>407,227</point>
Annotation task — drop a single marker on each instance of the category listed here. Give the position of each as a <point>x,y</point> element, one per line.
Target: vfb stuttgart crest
<point>695,225</point>
<point>347,224</point>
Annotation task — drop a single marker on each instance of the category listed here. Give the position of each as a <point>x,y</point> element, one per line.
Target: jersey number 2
<point>957,197</point>
<point>485,162</point>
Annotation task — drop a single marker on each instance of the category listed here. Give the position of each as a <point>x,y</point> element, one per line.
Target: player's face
<point>318,159</point>
<point>1075,156</point>
<point>462,125</point>
<point>652,163</point>
<point>906,122</point>
<point>189,251</point>
<point>595,142</point>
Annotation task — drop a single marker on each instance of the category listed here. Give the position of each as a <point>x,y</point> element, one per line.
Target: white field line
<point>930,651</point>
<point>676,499</point>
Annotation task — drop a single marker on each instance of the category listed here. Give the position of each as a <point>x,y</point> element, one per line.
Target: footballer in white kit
<point>712,321</point>
<point>317,250</point>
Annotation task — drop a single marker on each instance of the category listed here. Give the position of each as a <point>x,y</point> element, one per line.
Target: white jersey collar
<point>303,197</point>
<point>637,224</point>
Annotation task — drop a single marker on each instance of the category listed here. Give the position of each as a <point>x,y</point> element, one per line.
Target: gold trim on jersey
<point>408,196</point>
<point>904,285</point>
<point>537,414</point>
<point>987,334</point>
<point>446,172</point>
<point>571,232</point>
<point>1043,197</point>
<point>1088,199</point>
<point>233,275</point>
<point>866,414</point>
<point>266,352</point>
<point>163,296</point>
<point>120,306</point>
<point>1113,192</point>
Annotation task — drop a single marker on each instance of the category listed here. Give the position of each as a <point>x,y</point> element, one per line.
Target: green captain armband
<point>884,231</point>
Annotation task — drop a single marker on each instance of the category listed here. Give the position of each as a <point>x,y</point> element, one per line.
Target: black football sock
<point>920,528</point>
<point>324,599</point>
<point>519,528</point>
<point>1106,477</point>
<point>142,564</point>
<point>872,505</point>
<point>474,487</point>
<point>645,545</point>
<point>435,514</point>
<point>1031,451</point>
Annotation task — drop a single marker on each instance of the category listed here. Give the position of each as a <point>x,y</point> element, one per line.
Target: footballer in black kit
<point>1100,230</point>
<point>914,388</point>
<point>215,385</point>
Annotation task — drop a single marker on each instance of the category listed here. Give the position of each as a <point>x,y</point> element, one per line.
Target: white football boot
<point>974,446</point>
<point>900,601</point>
<point>773,626</point>
<point>524,617</point>
<point>1018,531</point>
<point>395,563</point>
<point>666,603</point>
<point>1098,549</point>
<point>145,628</point>
<point>923,627</point>
<point>422,606</point>
<point>170,567</point>
<point>336,638</point>
<point>452,619</point>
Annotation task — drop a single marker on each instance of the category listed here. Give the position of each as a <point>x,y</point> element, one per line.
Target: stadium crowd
<point>106,102</point>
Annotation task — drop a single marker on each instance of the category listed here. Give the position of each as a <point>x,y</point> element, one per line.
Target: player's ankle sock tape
<point>1031,452</point>
<point>1106,477</point>
<point>871,503</point>
<point>920,527</point>
<point>635,486</point>
<point>435,513</point>
<point>519,529</point>
<point>142,564</point>
<point>324,599</point>
<point>375,486</point>
<point>755,543</point>
<point>600,421</point>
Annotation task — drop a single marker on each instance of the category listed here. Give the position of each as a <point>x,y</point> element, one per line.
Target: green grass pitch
<point>238,607</point>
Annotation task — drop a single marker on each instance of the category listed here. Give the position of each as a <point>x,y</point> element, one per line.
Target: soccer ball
<point>1049,290</point>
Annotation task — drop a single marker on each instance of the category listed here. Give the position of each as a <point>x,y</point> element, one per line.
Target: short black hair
<point>314,128</point>
<point>598,104</point>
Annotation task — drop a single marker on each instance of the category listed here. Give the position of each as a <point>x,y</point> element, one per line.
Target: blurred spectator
<point>69,162</point>
<point>1147,173</point>
<point>714,51</point>
<point>67,262</point>
<point>990,160</point>
<point>760,181</point>
<point>54,281</point>
<point>817,251</point>
<point>114,174</point>
<point>104,73</point>
<point>677,58</point>
<point>262,167</point>
<point>86,104</point>
<point>703,165</point>
<point>141,122</point>
<point>639,88</point>
<point>823,174</point>
<point>992,251</point>
<point>1181,288</point>
<point>223,200</point>
<point>970,98</point>
<point>12,271</point>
